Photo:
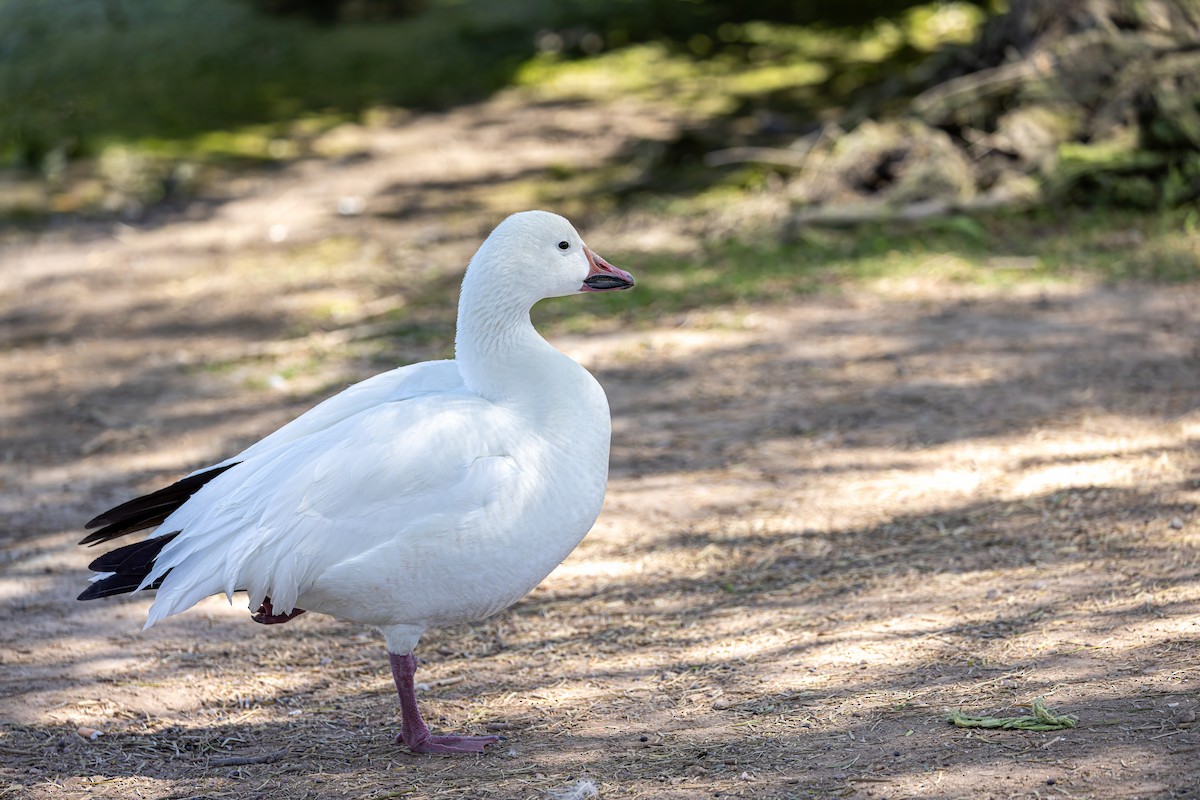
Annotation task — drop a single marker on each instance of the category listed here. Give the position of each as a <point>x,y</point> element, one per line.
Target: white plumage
<point>428,495</point>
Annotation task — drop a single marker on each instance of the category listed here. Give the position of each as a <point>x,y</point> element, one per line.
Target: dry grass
<point>829,522</point>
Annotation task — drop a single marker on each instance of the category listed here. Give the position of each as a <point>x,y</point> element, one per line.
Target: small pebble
<point>721,703</point>
<point>1176,523</point>
<point>1186,715</point>
<point>351,206</point>
<point>1050,781</point>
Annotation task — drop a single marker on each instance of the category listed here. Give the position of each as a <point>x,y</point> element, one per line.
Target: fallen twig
<point>241,761</point>
<point>794,157</point>
<point>865,213</point>
<point>774,156</point>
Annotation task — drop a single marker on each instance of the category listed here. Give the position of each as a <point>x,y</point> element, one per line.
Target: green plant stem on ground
<point>1042,719</point>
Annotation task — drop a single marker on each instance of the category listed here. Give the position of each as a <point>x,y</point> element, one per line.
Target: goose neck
<point>499,353</point>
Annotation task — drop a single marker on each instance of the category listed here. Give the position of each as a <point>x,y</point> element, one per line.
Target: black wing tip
<point>150,509</point>
<point>132,563</point>
<point>93,539</point>
<point>100,519</point>
<point>107,587</point>
<point>133,559</point>
<point>116,584</point>
<point>91,592</point>
<point>119,529</point>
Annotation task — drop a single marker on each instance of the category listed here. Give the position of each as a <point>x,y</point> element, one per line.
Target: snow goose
<point>432,494</point>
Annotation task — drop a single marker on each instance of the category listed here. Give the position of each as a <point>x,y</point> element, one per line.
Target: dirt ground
<point>829,522</point>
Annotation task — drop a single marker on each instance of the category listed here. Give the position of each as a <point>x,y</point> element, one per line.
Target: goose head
<point>536,254</point>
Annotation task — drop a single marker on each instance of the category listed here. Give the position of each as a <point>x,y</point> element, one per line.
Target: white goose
<point>432,494</point>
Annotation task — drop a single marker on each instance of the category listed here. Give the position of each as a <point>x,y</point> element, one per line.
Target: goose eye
<point>564,245</point>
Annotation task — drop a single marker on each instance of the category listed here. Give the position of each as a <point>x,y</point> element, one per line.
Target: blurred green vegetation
<point>76,76</point>
<point>153,88</point>
<point>797,69</point>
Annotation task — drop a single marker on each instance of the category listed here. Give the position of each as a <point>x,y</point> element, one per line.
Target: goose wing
<point>420,468</point>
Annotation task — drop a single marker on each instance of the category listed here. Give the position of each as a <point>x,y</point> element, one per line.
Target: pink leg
<point>266,615</point>
<point>414,733</point>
